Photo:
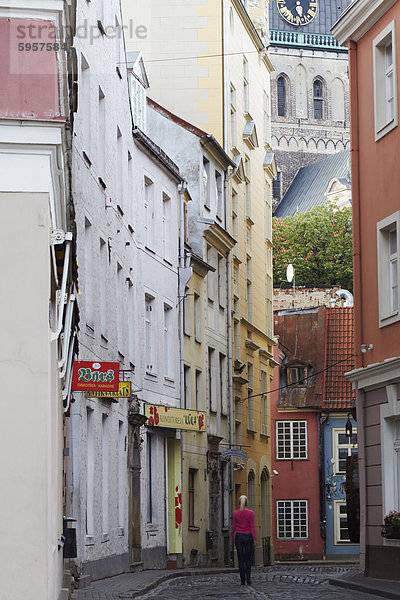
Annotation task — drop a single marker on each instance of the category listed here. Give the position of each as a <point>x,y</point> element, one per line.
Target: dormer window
<point>297,375</point>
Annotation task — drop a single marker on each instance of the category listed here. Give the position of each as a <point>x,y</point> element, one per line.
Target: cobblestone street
<point>280,582</point>
<point>275,583</point>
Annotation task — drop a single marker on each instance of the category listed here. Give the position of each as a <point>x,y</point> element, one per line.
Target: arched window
<point>318,99</point>
<point>265,504</point>
<point>281,89</point>
<point>251,490</point>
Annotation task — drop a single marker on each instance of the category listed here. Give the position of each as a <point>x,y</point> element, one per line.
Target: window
<point>151,478</point>
<point>221,281</point>
<point>385,85</point>
<point>251,491</point>
<point>138,104</point>
<point>291,440</point>
<point>187,387</point>
<point>120,309</point>
<point>245,84</point>
<point>120,175</point>
<point>342,448</point>
<point>211,275</point>
<point>148,212</point>
<point>264,403</point>
<point>219,195</point>
<point>168,343</point>
<point>101,133</point>
<point>197,317</point>
<point>149,326</point>
<point>233,120</point>
<point>121,476</point>
<point>90,471</point>
<point>267,127</point>
<point>247,170</point>
<point>238,420</point>
<point>340,515</point>
<point>166,227</point>
<point>105,466</point>
<point>235,220</point>
<point>250,399</point>
<point>199,390</point>
<point>211,398</point>
<point>223,384</point>
<point>296,376</point>
<point>88,288</point>
<point>85,104</point>
<point>103,288</point>
<point>292,519</point>
<point>390,436</point>
<point>186,312</point>
<point>281,95</point>
<point>131,322</point>
<point>192,496</point>
<point>206,183</point>
<point>318,99</point>
<point>388,269</point>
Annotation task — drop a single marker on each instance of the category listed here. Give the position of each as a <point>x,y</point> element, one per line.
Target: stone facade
<point>309,123</point>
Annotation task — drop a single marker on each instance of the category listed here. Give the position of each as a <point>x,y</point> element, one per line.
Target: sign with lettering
<point>124,391</point>
<point>95,376</point>
<point>175,418</point>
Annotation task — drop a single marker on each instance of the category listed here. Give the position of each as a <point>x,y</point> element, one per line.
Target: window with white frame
<point>342,535</point>
<point>148,212</point>
<point>149,327</point>
<point>390,436</point>
<point>292,519</point>
<point>219,198</point>
<point>138,104</point>
<point>206,183</point>
<point>166,227</point>
<point>187,387</point>
<point>343,446</point>
<point>385,86</point>
<point>388,233</point>
<point>168,343</point>
<point>291,440</point>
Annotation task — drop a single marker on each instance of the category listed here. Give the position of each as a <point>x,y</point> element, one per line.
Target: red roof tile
<point>339,358</point>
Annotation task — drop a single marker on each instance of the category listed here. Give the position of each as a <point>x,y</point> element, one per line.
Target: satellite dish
<point>289,273</point>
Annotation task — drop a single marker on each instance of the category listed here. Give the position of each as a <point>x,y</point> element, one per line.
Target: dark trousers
<point>244,546</point>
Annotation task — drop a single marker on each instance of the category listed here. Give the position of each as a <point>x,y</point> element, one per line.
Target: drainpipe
<point>322,487</point>
<point>184,275</point>
<point>357,280</point>
<point>355,184</point>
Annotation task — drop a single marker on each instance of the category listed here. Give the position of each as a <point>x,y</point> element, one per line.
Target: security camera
<point>275,472</point>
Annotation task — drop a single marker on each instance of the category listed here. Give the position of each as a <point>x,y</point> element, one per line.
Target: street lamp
<point>349,427</point>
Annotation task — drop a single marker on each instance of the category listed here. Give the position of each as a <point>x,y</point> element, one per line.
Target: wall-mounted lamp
<point>349,427</point>
<point>365,348</point>
<point>136,419</point>
<point>240,369</point>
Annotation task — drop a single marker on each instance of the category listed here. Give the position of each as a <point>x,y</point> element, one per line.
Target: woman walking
<point>244,527</point>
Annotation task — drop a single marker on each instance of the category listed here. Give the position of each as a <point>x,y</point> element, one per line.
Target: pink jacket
<point>243,522</point>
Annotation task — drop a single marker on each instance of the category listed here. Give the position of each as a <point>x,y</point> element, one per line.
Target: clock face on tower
<point>297,12</point>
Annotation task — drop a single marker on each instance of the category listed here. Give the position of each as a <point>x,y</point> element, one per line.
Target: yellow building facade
<point>208,64</point>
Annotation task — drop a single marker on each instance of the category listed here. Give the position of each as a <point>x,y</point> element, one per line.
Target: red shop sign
<point>95,376</point>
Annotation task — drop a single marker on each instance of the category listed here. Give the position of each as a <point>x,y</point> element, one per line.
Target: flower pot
<point>391,532</point>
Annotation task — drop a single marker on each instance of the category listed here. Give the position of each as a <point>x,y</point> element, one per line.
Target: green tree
<point>318,243</point>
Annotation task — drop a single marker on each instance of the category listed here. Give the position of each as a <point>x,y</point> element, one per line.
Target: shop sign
<point>95,376</point>
<point>175,418</point>
<point>238,453</point>
<point>124,391</point>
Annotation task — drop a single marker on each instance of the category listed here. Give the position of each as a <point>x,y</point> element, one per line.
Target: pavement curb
<point>168,576</point>
<point>375,587</point>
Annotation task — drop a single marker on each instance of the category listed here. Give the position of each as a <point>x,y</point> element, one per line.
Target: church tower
<point>309,87</point>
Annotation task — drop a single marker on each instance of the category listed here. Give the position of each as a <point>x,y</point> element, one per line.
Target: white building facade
<point>37,302</point>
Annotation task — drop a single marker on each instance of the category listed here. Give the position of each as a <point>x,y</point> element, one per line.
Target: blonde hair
<point>242,502</point>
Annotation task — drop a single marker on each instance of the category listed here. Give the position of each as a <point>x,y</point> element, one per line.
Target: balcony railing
<point>305,40</point>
